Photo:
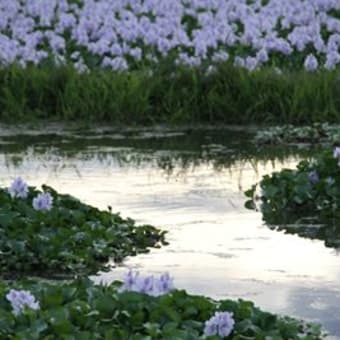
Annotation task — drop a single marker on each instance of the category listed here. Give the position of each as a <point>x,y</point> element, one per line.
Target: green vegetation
<point>166,148</point>
<point>317,133</point>
<point>71,239</point>
<point>304,201</point>
<point>82,310</point>
<point>168,95</point>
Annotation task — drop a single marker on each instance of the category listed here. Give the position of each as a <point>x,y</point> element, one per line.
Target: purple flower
<point>147,284</point>
<point>220,56</point>
<point>336,153</point>
<point>18,188</point>
<point>164,284</point>
<point>239,62</point>
<point>43,201</point>
<point>311,63</point>
<point>130,280</point>
<point>115,28</point>
<point>20,299</point>
<point>262,56</point>
<point>313,177</point>
<point>251,63</point>
<point>332,59</point>
<point>221,324</point>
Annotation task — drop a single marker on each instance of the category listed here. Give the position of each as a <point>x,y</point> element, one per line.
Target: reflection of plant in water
<point>176,154</point>
<point>311,191</point>
<point>309,228</point>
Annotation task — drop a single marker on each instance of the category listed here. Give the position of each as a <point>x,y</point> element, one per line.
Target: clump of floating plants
<point>317,133</point>
<point>305,200</point>
<point>46,233</point>
<point>141,307</point>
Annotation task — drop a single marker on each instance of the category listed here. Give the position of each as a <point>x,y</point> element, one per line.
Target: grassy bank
<point>166,95</point>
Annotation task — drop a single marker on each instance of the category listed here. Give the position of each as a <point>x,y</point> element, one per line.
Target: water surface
<point>189,182</point>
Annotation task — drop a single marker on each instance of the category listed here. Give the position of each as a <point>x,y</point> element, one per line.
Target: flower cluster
<point>119,34</point>
<point>221,324</point>
<point>19,189</point>
<point>21,299</point>
<point>43,201</point>
<point>147,284</point>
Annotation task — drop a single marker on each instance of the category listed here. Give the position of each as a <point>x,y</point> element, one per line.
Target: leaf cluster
<point>81,310</point>
<point>291,200</point>
<point>289,134</point>
<point>72,238</point>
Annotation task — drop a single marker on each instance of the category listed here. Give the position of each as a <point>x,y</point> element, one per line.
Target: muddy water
<point>190,183</point>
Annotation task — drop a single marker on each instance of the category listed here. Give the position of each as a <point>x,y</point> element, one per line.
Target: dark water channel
<point>189,182</point>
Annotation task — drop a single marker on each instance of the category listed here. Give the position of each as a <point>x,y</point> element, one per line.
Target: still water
<point>189,182</point>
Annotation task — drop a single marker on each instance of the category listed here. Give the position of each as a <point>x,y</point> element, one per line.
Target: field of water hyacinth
<point>202,60</point>
<point>125,34</point>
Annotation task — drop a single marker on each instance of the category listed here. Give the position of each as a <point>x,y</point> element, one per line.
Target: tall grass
<point>181,95</point>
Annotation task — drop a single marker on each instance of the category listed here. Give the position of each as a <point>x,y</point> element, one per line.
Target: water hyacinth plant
<point>18,188</point>
<point>81,309</point>
<point>311,63</point>
<point>21,299</point>
<point>305,201</point>
<point>50,234</point>
<point>43,202</point>
<point>202,60</point>
<point>317,133</point>
<point>221,324</point>
<point>120,35</point>
<point>147,284</point>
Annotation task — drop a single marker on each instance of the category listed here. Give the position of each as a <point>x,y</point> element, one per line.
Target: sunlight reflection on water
<point>217,247</point>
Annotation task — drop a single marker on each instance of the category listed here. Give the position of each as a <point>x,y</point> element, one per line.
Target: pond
<point>189,182</point>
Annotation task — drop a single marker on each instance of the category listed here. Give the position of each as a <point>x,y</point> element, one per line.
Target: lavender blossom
<point>262,56</point>
<point>251,63</point>
<point>130,280</point>
<point>239,62</point>
<point>147,284</point>
<point>313,177</point>
<point>113,29</point>
<point>221,324</point>
<point>336,153</point>
<point>164,284</point>
<point>311,63</point>
<point>43,202</point>
<point>332,59</point>
<point>18,188</point>
<point>220,56</point>
<point>21,299</point>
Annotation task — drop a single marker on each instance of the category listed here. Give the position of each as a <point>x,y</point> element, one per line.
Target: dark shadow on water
<point>328,231</point>
<point>165,148</point>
